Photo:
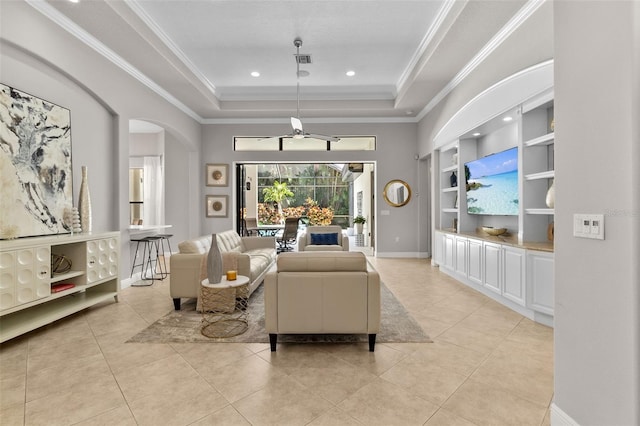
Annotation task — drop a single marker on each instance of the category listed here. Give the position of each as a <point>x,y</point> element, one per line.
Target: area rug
<point>396,326</point>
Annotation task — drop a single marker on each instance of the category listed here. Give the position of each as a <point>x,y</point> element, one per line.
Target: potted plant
<point>359,221</point>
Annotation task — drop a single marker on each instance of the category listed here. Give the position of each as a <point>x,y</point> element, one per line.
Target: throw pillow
<point>324,239</point>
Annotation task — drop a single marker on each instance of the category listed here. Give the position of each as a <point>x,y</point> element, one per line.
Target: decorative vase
<point>454,159</point>
<point>551,195</point>
<point>84,202</point>
<point>453,179</point>
<point>214,262</point>
<point>358,228</point>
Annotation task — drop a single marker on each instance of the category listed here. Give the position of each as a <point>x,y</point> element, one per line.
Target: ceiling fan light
<point>298,136</point>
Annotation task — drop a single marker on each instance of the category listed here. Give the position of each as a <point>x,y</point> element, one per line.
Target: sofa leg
<point>176,304</point>
<point>272,341</point>
<point>372,342</point>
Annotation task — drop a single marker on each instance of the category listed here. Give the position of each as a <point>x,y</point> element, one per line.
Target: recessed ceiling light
<point>476,134</point>
<point>74,1</point>
<point>351,73</point>
<point>255,74</point>
<point>507,118</point>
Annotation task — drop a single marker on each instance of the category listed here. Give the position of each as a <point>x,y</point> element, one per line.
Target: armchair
<point>323,238</point>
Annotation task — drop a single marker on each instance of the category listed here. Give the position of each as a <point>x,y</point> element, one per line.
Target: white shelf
<point>450,210</point>
<point>453,168</point>
<point>550,174</point>
<point>28,319</point>
<point>547,139</point>
<point>66,276</point>
<point>539,211</point>
<point>450,189</point>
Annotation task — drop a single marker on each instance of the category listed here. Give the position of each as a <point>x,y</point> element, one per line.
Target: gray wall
<point>597,300</point>
<point>395,157</point>
<point>40,58</point>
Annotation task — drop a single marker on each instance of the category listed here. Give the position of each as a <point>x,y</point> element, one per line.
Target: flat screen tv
<point>492,184</point>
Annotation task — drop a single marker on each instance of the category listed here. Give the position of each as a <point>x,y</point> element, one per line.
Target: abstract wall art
<point>35,165</point>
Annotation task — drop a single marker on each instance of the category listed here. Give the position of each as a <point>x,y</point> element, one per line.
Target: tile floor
<point>487,366</point>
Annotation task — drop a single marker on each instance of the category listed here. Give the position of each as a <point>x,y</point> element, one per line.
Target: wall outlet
<point>588,226</point>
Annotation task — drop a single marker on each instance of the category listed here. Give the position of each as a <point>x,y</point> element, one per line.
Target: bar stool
<point>165,238</point>
<point>147,245</point>
<point>156,244</point>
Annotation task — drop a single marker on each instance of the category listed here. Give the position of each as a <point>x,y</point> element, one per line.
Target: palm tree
<point>277,193</point>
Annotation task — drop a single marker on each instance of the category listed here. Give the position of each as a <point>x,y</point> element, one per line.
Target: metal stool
<point>147,245</point>
<point>165,238</point>
<point>156,244</point>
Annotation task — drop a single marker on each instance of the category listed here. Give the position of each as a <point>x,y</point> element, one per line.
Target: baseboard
<point>560,418</point>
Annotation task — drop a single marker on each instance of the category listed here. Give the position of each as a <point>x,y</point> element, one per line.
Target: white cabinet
<point>30,296</point>
<point>540,282</point>
<point>474,261</point>
<point>461,255</point>
<point>514,274</point>
<point>491,256</point>
<point>518,277</point>
<point>448,252</point>
<point>25,276</point>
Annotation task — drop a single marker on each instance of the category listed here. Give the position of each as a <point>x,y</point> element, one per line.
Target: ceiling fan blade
<point>322,137</point>
<point>296,124</point>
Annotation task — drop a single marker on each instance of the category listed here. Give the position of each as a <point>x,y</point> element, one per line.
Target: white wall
<point>597,298</point>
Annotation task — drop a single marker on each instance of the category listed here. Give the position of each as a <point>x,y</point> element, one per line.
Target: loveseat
<point>322,293</point>
<point>250,256</point>
<point>323,238</point>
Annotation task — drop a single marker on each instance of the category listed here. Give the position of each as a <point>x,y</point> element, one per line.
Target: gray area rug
<point>397,326</point>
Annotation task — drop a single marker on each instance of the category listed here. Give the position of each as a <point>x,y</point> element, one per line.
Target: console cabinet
<point>520,278</point>
<point>27,300</point>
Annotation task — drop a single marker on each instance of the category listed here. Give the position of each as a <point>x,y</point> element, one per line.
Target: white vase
<point>551,195</point>
<point>84,202</point>
<point>214,262</point>
<point>358,228</point>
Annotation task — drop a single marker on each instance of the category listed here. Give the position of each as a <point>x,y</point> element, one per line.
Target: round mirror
<point>397,193</point>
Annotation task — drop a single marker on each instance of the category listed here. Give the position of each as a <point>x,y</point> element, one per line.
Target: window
<point>346,143</point>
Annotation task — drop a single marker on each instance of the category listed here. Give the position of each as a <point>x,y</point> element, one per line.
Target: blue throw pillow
<point>324,239</point>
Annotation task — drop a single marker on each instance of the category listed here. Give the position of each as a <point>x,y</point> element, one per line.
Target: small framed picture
<point>217,175</point>
<point>217,205</point>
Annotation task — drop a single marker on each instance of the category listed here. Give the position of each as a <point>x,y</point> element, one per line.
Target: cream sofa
<point>319,238</point>
<point>322,293</point>
<point>250,256</point>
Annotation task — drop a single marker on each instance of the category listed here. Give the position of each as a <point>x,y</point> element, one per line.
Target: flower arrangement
<point>318,215</point>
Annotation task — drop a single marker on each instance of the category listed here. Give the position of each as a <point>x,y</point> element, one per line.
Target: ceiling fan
<point>296,123</point>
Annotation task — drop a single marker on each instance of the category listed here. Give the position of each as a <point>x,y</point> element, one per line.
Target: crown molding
<point>316,120</point>
<point>514,23</point>
<point>75,30</point>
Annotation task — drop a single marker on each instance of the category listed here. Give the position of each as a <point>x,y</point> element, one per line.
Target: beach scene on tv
<point>492,184</point>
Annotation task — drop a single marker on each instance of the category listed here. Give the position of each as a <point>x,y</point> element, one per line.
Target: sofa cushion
<point>324,239</point>
<point>322,261</point>
<point>230,241</point>
<point>199,245</point>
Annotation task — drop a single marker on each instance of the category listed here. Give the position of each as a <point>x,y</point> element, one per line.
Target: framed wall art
<point>35,165</point>
<point>217,175</point>
<point>217,205</point>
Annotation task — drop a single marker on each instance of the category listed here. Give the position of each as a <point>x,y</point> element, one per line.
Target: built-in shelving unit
<point>26,297</point>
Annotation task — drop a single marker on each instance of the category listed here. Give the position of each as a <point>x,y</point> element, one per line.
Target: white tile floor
<point>487,366</point>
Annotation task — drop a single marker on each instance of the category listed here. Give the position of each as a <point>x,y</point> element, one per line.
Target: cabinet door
<point>491,266</point>
<point>26,276</point>
<point>102,259</point>
<point>474,261</point>
<point>449,252</point>
<point>514,274</point>
<point>540,281</point>
<point>461,255</point>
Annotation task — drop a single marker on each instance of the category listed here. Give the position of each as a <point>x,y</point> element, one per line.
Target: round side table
<point>224,307</point>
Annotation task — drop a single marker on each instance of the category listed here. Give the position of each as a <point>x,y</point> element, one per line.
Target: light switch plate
<point>588,226</point>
